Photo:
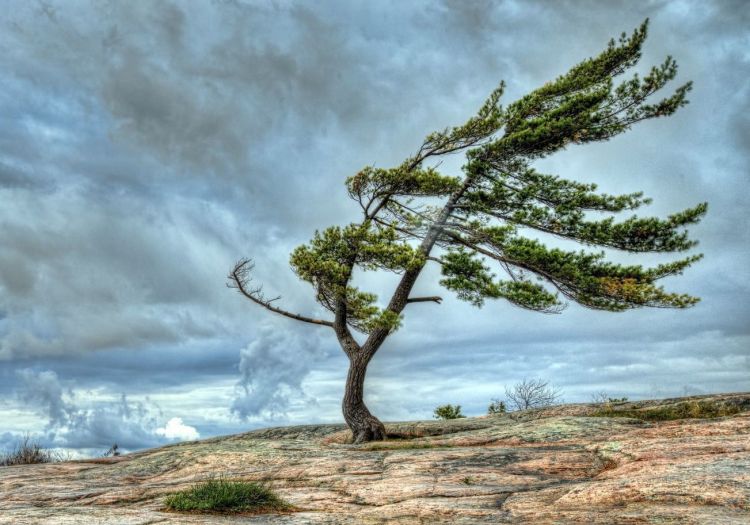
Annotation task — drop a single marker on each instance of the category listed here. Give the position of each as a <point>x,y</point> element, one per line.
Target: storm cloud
<point>145,147</point>
<point>272,368</point>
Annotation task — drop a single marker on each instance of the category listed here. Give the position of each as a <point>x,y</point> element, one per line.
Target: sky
<point>145,147</point>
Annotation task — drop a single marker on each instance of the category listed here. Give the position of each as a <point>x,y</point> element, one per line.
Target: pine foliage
<point>497,212</point>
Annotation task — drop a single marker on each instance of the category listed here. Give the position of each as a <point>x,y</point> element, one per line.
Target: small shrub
<point>599,397</point>
<point>532,393</point>
<point>222,495</point>
<point>496,407</point>
<point>28,452</point>
<point>114,451</point>
<point>448,412</point>
<point>603,398</point>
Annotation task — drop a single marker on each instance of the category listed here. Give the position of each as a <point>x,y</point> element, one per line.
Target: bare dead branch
<point>240,279</point>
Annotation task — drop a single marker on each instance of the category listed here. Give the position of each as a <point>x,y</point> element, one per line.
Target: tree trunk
<point>364,426</point>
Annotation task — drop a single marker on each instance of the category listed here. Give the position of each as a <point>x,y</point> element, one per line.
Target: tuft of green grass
<point>222,495</point>
<point>684,410</point>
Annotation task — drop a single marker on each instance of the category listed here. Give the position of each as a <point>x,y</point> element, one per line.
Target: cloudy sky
<point>146,146</point>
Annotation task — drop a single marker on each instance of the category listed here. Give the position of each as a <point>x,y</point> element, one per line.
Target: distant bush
<point>497,407</point>
<point>28,452</point>
<point>603,397</point>
<point>532,393</point>
<point>222,495</point>
<point>448,412</point>
<point>113,451</point>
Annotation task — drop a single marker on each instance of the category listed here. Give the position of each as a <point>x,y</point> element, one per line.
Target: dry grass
<point>28,452</point>
<point>684,410</point>
<point>402,445</point>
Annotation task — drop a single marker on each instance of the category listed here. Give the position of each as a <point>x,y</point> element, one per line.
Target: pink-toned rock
<point>559,465</point>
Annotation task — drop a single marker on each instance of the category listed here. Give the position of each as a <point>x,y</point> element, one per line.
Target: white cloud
<point>176,429</point>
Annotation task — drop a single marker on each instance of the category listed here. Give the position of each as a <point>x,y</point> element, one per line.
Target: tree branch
<point>239,278</point>
<point>434,299</point>
<point>400,296</point>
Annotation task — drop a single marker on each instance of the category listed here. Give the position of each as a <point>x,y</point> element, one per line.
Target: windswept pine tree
<point>489,214</point>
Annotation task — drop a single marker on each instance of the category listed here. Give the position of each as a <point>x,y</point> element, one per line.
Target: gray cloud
<point>272,368</point>
<point>44,391</point>
<point>147,146</point>
<point>101,275</point>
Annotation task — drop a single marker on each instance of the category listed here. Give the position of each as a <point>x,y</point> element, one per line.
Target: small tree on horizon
<point>448,412</point>
<point>497,407</point>
<point>532,393</point>
<point>414,215</point>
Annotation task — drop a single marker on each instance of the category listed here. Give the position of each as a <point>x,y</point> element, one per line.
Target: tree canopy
<point>501,200</point>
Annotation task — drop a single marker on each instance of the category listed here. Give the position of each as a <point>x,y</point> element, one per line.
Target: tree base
<point>369,430</point>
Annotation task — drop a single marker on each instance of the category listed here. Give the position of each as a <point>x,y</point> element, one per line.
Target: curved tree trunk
<point>364,426</point>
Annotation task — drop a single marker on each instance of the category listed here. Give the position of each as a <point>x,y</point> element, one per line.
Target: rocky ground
<point>559,465</point>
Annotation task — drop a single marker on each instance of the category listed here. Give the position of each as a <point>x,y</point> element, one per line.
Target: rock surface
<point>558,465</point>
